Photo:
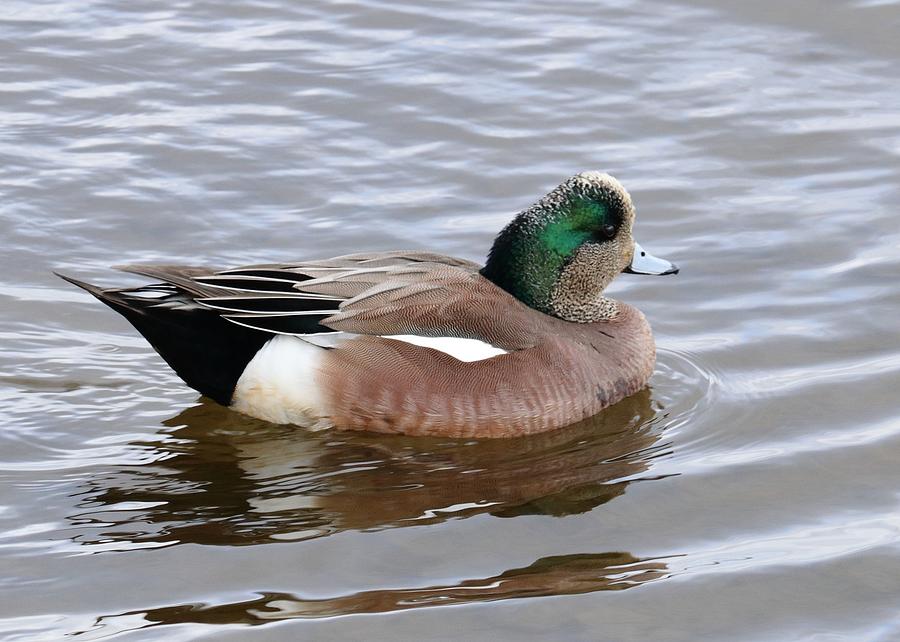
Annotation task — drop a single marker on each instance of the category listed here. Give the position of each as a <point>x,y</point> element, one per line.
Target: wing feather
<point>383,293</point>
<point>427,299</point>
<point>295,324</point>
<point>312,303</point>
<point>246,283</point>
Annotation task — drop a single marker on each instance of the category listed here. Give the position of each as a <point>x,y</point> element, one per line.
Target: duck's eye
<point>608,231</point>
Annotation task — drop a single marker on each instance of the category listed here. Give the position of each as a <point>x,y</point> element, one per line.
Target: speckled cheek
<point>626,250</point>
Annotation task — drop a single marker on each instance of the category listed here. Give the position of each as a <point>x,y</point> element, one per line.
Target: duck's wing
<point>393,258</point>
<point>382,294</point>
<point>425,299</point>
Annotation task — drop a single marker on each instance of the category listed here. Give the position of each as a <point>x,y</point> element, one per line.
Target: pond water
<point>750,493</point>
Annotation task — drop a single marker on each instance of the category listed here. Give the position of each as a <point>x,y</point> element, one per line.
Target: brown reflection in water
<point>223,479</point>
<point>557,575</point>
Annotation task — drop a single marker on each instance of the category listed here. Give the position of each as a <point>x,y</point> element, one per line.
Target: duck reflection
<point>223,479</point>
<point>557,575</point>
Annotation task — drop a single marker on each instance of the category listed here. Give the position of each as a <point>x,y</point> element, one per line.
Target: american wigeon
<point>415,342</point>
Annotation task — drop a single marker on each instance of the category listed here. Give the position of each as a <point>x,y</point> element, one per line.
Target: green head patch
<point>530,253</point>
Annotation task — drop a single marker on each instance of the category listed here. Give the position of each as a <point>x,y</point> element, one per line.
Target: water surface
<point>750,493</point>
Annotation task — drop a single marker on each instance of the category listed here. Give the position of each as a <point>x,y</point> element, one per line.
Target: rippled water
<point>750,494</point>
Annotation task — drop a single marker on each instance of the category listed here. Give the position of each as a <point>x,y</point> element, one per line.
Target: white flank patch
<point>279,384</point>
<point>462,349</point>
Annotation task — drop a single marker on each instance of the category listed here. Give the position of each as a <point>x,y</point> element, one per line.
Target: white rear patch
<point>462,349</point>
<point>280,384</point>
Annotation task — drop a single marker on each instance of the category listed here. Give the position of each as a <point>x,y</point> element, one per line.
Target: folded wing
<point>382,294</point>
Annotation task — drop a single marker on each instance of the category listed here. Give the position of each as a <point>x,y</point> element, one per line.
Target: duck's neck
<point>578,293</point>
<point>601,309</point>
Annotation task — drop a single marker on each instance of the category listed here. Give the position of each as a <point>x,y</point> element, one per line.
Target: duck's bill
<point>645,263</point>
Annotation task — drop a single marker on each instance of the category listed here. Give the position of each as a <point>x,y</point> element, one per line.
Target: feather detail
<point>379,294</point>
<point>271,304</point>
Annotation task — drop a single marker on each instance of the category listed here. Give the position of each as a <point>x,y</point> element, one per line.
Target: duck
<point>415,342</point>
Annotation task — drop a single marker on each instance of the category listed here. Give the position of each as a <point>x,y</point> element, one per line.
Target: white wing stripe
<point>462,349</point>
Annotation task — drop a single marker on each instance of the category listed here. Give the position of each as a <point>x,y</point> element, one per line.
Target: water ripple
<point>757,473</point>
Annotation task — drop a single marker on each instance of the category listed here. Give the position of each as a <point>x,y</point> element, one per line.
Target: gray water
<point>751,493</point>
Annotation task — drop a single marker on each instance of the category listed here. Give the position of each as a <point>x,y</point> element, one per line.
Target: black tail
<point>206,351</point>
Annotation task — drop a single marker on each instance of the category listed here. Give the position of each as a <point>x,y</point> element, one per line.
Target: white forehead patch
<point>603,179</point>
<point>595,176</point>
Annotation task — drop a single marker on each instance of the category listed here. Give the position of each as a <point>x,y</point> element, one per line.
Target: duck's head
<point>559,255</point>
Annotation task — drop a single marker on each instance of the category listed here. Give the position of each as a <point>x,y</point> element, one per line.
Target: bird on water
<point>416,342</point>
